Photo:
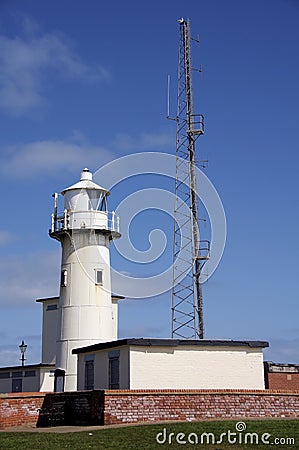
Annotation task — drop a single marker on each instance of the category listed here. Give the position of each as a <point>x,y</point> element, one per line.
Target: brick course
<point>152,406</point>
<point>141,406</point>
<point>20,409</point>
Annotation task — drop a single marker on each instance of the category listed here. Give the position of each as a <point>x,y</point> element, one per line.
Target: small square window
<point>99,277</point>
<point>63,281</point>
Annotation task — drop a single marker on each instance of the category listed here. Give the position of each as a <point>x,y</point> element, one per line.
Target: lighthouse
<point>87,313</point>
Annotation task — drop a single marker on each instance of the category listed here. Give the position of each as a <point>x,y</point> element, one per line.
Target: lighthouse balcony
<point>92,220</point>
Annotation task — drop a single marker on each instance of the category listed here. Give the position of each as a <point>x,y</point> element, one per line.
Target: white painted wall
<point>196,368</point>
<point>49,331</point>
<point>86,313</point>
<point>46,379</point>
<point>187,367</point>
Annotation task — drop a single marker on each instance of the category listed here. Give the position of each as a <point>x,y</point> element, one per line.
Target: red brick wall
<point>20,409</point>
<point>151,406</point>
<point>278,380</point>
<point>114,407</point>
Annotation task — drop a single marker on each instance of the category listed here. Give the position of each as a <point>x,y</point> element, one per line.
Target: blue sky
<point>83,83</point>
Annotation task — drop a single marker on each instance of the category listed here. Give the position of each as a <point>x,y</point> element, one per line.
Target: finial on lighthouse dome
<point>86,175</point>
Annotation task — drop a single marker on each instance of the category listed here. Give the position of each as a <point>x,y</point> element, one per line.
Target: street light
<point>22,348</point>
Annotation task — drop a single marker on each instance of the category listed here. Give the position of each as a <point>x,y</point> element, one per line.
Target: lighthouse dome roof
<point>85,183</point>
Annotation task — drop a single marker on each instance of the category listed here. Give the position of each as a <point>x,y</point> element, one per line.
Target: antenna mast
<point>190,253</point>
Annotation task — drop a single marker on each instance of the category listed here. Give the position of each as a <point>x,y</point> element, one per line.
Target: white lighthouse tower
<point>87,314</point>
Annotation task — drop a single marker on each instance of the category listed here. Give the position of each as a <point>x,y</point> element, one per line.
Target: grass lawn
<point>275,433</point>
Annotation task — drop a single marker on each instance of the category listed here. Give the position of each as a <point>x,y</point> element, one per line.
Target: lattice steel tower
<point>190,253</point>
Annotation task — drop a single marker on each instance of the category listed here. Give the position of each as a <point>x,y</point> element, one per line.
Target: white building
<point>28,378</point>
<point>36,377</point>
<point>171,364</point>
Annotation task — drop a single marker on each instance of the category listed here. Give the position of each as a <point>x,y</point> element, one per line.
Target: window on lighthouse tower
<point>99,277</point>
<point>63,280</point>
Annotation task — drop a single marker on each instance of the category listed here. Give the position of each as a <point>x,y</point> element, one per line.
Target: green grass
<point>144,437</point>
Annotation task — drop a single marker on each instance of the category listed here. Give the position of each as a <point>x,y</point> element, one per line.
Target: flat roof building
<point>281,376</point>
<point>171,364</point>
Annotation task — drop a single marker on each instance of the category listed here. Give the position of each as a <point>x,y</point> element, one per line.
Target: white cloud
<point>28,24</point>
<point>27,277</point>
<point>24,59</point>
<point>45,157</point>
<point>6,237</point>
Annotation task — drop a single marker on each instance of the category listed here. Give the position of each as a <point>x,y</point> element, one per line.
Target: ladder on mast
<point>190,253</point>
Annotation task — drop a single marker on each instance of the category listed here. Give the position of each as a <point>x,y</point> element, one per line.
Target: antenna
<point>190,253</point>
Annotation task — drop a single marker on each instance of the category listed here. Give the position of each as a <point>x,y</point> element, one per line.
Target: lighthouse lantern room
<point>86,312</point>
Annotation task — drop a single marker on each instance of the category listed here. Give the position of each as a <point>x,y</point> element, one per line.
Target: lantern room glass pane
<point>94,199</point>
<point>97,201</point>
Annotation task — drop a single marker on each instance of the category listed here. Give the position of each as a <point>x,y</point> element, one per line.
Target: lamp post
<point>23,348</point>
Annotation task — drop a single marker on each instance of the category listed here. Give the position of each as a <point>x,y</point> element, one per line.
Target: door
<point>17,385</point>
